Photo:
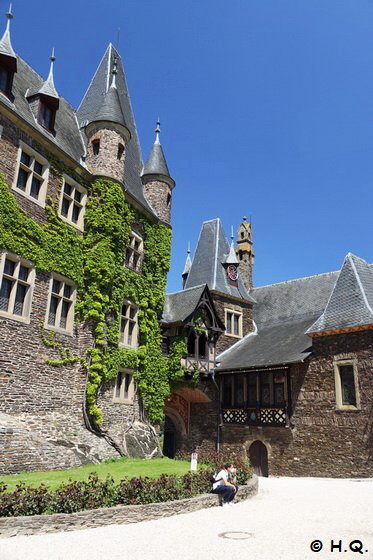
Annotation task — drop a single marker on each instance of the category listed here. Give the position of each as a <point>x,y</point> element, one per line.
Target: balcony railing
<point>200,365</point>
<point>271,416</point>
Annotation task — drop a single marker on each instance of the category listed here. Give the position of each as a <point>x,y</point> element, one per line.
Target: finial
<point>157,131</point>
<point>244,219</point>
<point>52,58</point>
<point>188,251</point>
<point>9,16</point>
<point>232,235</point>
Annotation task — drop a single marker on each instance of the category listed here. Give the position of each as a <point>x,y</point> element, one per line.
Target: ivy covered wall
<point>94,261</point>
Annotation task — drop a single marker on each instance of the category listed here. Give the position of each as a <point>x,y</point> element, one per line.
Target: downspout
<point>219,421</point>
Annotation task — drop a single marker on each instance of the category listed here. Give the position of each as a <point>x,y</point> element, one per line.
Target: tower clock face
<point>232,272</point>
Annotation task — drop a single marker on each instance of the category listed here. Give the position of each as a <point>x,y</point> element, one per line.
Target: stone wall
<point>159,195</point>
<point>106,162</point>
<point>320,439</point>
<point>37,524</point>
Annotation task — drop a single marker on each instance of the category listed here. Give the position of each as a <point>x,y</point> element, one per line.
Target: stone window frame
<point>338,384</point>
<point>238,314</point>
<point>129,320</point>
<point>43,177</point>
<point>30,283</point>
<point>124,387</point>
<point>73,202</point>
<point>134,252</point>
<point>61,297</point>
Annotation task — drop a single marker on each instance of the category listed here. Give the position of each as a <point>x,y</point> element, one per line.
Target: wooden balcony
<point>271,416</point>
<point>197,365</point>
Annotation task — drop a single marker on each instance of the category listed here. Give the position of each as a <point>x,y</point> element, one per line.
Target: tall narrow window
<point>46,116</point>
<point>134,252</point>
<point>128,325</point>
<point>17,279</point>
<point>31,175</point>
<point>72,203</point>
<point>124,387</point>
<point>8,67</point>
<point>120,151</point>
<point>60,313</point>
<point>96,147</point>
<point>346,385</point>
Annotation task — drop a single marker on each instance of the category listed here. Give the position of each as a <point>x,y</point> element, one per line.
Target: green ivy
<point>94,261</point>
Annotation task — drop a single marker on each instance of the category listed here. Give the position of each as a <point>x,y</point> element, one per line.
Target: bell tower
<point>245,253</point>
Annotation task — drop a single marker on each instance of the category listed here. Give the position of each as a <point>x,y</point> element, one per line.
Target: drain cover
<point>235,535</point>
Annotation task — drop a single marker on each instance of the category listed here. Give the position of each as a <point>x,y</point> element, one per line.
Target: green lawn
<point>119,469</point>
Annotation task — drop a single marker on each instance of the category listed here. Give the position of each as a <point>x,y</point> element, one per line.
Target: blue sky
<point>266,109</point>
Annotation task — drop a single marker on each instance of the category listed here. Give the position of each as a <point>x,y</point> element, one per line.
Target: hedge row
<point>96,493</point>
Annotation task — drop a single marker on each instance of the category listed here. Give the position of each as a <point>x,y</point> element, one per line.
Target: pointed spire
<point>5,43</point>
<point>231,258</point>
<point>188,262</point>
<point>48,87</point>
<point>156,162</point>
<point>110,109</point>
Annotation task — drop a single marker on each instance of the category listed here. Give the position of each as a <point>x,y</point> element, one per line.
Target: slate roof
<point>156,162</point>
<point>212,250</point>
<point>67,136</point>
<point>90,105</point>
<point>180,305</point>
<point>282,315</point>
<point>351,302</point>
<point>5,42</point>
<point>110,109</point>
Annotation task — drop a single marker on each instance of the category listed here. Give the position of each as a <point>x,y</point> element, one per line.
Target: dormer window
<point>7,70</point>
<point>46,116</point>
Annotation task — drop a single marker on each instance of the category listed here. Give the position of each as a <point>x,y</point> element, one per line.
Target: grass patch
<point>117,469</point>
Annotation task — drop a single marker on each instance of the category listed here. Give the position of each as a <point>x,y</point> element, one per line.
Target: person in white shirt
<point>223,486</point>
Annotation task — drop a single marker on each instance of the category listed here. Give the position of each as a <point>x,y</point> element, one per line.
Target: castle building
<point>84,253</point>
<point>97,360</point>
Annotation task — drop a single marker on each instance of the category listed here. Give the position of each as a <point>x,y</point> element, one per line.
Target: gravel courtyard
<point>281,522</point>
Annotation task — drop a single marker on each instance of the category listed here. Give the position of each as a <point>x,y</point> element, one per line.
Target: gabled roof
<point>90,105</point>
<point>179,306</point>
<point>282,314</point>
<point>207,266</point>
<point>67,136</point>
<point>351,301</point>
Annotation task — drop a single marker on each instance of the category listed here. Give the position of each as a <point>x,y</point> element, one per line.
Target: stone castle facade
<point>284,371</point>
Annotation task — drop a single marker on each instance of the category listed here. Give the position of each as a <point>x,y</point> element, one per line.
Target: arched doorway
<point>169,438</point>
<point>258,456</point>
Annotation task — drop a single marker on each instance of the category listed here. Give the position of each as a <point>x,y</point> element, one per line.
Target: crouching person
<point>223,487</point>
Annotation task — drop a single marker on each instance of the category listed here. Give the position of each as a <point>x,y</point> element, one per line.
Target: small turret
<point>157,181</point>
<point>45,102</point>
<point>108,136</point>
<point>187,267</point>
<point>245,253</point>
<point>8,59</point>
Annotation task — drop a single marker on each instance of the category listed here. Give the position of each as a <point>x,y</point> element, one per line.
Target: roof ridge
<point>186,290</point>
<point>296,279</point>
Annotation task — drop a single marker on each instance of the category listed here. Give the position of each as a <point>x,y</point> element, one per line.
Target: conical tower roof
<point>351,301</point>
<point>156,163</point>
<point>5,43</point>
<point>110,108</point>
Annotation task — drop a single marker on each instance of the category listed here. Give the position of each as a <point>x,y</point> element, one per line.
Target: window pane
<point>46,116</point>
<point>56,286</point>
<point>348,385</point>
<point>5,77</point>
<point>279,394</point>
<point>132,312</point>
<point>67,189</point>
<point>52,311</point>
<point>265,389</point>
<point>9,267</point>
<point>64,313</point>
<point>5,290</point>
<point>239,387</point>
<point>23,273</point>
<point>20,299</point>
<point>67,291</point>
<point>65,207</point>
<point>76,212</point>
<point>38,167</point>
<point>127,385</point>
<point>251,390</point>
<point>118,385</point>
<point>229,322</point>
<point>131,327</point>
<point>227,391</point>
<point>122,329</point>
<point>26,159</point>
<point>22,179</point>
<point>77,195</point>
<point>235,324</point>
<point>35,187</point>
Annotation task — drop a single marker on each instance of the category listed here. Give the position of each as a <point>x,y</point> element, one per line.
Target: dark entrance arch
<point>169,438</point>
<point>258,456</point>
